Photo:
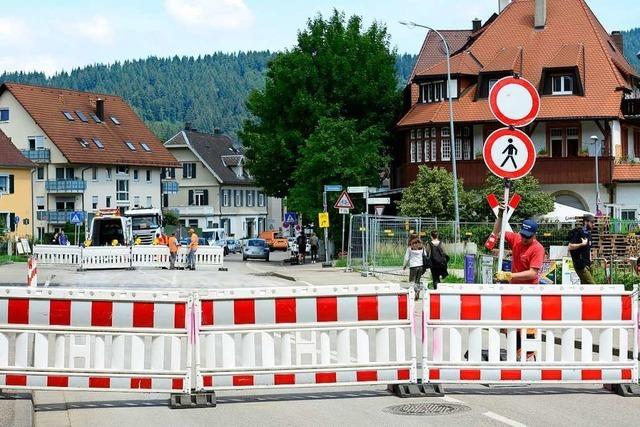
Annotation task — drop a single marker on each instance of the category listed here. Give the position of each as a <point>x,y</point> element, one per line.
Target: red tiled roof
<point>568,55</point>
<point>507,59</point>
<point>46,106</point>
<point>432,51</point>
<point>626,172</point>
<point>569,23</point>
<point>463,63</point>
<point>10,156</point>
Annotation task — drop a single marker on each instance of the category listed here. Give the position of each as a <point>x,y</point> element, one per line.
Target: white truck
<point>108,225</point>
<point>145,223</point>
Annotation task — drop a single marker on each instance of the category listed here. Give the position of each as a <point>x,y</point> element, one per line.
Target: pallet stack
<point>606,244</point>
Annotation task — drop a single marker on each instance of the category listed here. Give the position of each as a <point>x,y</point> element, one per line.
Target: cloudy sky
<point>53,35</point>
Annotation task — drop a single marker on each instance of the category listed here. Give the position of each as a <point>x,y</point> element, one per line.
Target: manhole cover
<point>426,409</point>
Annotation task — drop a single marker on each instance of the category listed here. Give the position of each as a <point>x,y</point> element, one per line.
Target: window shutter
<point>193,170</point>
<point>190,202</point>
<point>173,173</point>
<point>241,197</point>
<point>163,173</point>
<point>205,197</point>
<point>184,170</point>
<point>165,200</point>
<point>11,184</point>
<point>548,81</point>
<point>12,220</point>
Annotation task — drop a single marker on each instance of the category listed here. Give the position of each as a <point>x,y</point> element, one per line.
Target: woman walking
<point>439,259</point>
<point>413,258</point>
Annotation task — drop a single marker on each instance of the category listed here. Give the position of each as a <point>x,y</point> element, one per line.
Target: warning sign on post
<point>344,201</point>
<point>323,219</point>
<point>509,153</point>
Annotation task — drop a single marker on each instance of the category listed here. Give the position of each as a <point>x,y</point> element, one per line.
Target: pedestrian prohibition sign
<point>514,101</point>
<point>509,153</point>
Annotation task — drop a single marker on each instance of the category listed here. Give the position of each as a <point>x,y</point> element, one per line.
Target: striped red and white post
<point>32,272</point>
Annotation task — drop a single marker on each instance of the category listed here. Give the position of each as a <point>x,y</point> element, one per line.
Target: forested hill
<point>209,91</point>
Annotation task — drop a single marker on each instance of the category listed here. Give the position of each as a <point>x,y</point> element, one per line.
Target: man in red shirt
<point>527,254</point>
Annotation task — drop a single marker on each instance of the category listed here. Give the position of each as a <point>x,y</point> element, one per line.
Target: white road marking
<point>505,420</point>
<point>452,400</point>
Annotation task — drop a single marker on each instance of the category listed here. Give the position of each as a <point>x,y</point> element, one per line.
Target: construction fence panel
<point>205,255</point>
<point>100,340</point>
<point>528,334</point>
<point>105,257</point>
<point>57,254</point>
<point>300,337</point>
<point>150,256</point>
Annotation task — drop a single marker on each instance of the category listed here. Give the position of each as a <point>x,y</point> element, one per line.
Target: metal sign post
<point>505,221</point>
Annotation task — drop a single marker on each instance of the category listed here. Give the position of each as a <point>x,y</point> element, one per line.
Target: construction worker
<point>527,253</point>
<point>193,247</point>
<point>580,249</point>
<point>173,250</point>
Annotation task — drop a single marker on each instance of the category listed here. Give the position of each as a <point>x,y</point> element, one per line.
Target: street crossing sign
<point>514,101</point>
<point>77,217</point>
<point>509,153</point>
<point>344,201</point>
<point>323,219</point>
<point>291,217</point>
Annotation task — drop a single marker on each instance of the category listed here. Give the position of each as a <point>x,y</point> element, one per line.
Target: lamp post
<point>454,170</point>
<point>595,140</point>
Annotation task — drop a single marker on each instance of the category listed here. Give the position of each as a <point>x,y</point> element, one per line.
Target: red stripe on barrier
<point>16,380</point>
<point>206,313</point>
<point>141,383</point>
<point>143,314</point>
<point>625,374</point>
<point>179,315</point>
<point>176,384</point>
<point>327,309</point>
<point>591,374</point>
<point>367,307</point>
<point>511,307</point>
<point>551,307</point>
<point>434,307</point>
<point>470,307</point>
<point>57,381</point>
<point>60,312</point>
<point>551,374</point>
<point>363,376</point>
<point>242,380</point>
<point>591,307</point>
<point>244,311</point>
<point>402,307</point>
<point>403,374</point>
<point>18,311</point>
<point>326,377</point>
<point>626,307</point>
<point>434,374</point>
<point>284,379</point>
<point>101,313</point>
<point>99,382</point>
<point>285,310</point>
<point>510,375</point>
<point>470,374</point>
<point>207,381</point>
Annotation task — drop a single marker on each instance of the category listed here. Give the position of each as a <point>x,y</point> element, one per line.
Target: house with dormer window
<point>587,89</point>
<point>215,189</point>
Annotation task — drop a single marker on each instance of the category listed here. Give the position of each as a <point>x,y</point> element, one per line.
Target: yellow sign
<point>323,219</point>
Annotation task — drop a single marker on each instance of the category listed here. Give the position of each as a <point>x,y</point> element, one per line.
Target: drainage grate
<point>426,409</point>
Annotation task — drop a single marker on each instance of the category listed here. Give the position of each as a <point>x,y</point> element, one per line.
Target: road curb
<point>58,416</point>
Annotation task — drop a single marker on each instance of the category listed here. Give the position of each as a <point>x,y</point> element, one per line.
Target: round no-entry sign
<point>509,153</point>
<point>514,101</point>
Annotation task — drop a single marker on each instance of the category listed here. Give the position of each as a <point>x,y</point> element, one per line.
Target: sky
<point>55,35</point>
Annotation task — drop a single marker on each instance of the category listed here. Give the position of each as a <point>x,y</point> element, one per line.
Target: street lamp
<point>594,138</point>
<point>454,170</point>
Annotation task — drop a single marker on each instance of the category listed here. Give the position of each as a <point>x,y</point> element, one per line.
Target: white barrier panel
<point>150,256</point>
<point>205,255</point>
<point>300,337</point>
<point>464,336</point>
<point>105,257</point>
<point>106,340</point>
<point>56,254</point>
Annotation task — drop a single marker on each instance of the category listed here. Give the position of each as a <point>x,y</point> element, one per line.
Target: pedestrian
<point>439,259</point>
<point>173,251</point>
<point>62,239</point>
<point>580,249</point>
<point>193,247</point>
<point>56,238</point>
<point>302,247</point>
<point>414,258</point>
<point>314,243</point>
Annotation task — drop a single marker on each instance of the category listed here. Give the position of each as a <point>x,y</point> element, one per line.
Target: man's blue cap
<point>529,228</point>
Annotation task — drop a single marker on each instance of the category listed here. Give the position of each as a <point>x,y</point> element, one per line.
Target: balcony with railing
<point>56,217</point>
<point>631,107</point>
<point>170,187</point>
<point>38,156</point>
<point>66,185</point>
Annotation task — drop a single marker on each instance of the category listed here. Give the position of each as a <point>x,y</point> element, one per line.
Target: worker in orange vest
<point>173,250</point>
<point>193,247</point>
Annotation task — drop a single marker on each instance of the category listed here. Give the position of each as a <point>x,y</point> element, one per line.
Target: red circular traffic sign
<point>514,101</point>
<point>509,153</point>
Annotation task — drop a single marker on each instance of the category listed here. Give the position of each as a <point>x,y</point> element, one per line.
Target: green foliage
<point>534,203</point>
<point>632,46</point>
<point>170,217</point>
<point>326,112</point>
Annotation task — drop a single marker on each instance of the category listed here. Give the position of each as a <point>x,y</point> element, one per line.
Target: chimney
<point>187,125</point>
<point>100,108</point>
<point>217,131</point>
<point>618,40</point>
<point>502,4</point>
<point>476,24</point>
<point>540,14</point>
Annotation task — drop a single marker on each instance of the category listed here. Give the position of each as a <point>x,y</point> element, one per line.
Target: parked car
<point>233,245</point>
<point>274,240</point>
<point>256,249</point>
<point>186,240</point>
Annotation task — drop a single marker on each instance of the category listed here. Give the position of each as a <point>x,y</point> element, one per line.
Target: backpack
<point>438,257</point>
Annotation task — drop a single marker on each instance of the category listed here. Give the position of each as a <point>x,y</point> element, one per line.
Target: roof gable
<point>10,156</point>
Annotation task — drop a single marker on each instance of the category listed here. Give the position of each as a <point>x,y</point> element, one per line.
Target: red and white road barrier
<point>305,336</point>
<point>462,337</point>
<point>32,272</point>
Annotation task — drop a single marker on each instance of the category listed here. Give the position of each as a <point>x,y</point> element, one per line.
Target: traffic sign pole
<point>505,221</point>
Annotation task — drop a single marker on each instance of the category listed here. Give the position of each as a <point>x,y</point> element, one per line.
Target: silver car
<point>255,249</point>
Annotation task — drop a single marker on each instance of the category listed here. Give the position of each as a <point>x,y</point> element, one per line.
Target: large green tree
<point>325,113</point>
<point>534,203</point>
